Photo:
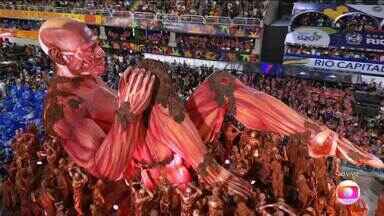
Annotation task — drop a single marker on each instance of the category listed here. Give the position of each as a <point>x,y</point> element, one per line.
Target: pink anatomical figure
<point>144,128</point>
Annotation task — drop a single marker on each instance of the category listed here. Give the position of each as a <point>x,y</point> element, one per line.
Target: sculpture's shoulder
<point>65,94</point>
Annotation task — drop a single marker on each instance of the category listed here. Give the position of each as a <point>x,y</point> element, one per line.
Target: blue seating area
<point>21,107</point>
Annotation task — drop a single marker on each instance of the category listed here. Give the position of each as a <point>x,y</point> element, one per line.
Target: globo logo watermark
<point>347,192</point>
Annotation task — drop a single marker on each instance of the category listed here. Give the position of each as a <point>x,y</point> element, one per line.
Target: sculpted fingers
<point>131,79</point>
<point>123,85</point>
<point>146,90</point>
<point>139,81</point>
<point>151,83</point>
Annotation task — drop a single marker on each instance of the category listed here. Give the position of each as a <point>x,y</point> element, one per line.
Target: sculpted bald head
<point>64,33</point>
<point>72,46</point>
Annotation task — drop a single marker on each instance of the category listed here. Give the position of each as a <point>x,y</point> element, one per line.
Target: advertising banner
<point>308,37</point>
<point>337,65</point>
<point>43,15</point>
<point>365,41</point>
<point>322,37</point>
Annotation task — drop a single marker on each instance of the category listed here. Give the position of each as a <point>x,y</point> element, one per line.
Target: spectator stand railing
<point>88,11</point>
<point>217,20</point>
<point>166,18</point>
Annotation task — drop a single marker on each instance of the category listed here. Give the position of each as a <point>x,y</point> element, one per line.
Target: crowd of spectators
<point>24,73</point>
<point>19,24</point>
<point>137,40</point>
<point>226,8</point>
<point>337,53</point>
<point>186,45</point>
<point>209,47</point>
<point>314,19</point>
<point>238,8</point>
<point>214,48</point>
<point>70,5</point>
<point>355,22</point>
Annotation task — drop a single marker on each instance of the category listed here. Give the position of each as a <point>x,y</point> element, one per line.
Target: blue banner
<point>327,37</point>
<point>336,64</point>
<point>364,41</point>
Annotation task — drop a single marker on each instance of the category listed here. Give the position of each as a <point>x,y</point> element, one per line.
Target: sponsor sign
<point>339,65</point>
<point>372,41</point>
<point>308,36</point>
<point>316,37</point>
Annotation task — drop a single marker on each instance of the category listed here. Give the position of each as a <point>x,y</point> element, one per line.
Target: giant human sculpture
<point>144,128</point>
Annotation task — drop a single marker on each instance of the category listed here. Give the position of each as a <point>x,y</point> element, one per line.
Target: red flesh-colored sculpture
<point>144,128</point>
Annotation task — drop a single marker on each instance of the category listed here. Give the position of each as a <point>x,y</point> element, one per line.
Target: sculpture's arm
<point>205,112</point>
<point>108,154</point>
<point>222,93</point>
<point>260,111</point>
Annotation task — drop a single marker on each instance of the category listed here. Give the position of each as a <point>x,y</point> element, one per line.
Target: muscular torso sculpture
<point>144,128</point>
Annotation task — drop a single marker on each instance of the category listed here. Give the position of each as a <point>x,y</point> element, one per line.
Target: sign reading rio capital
<point>341,65</point>
<point>374,41</point>
<point>336,65</point>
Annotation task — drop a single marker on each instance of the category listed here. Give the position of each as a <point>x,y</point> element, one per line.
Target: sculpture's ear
<point>55,54</point>
<point>51,43</point>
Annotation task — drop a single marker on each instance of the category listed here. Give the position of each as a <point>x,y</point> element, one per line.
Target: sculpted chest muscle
<point>69,99</point>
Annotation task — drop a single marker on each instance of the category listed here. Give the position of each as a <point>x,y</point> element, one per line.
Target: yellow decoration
<point>44,15</point>
<point>333,14</point>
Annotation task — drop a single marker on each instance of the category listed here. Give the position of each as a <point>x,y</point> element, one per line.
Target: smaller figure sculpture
<point>62,183</point>
<point>45,198</point>
<point>165,197</point>
<point>188,198</point>
<point>320,205</point>
<point>321,175</point>
<point>97,193</point>
<point>79,179</point>
<point>98,205</point>
<point>280,207</point>
<point>52,154</point>
<point>242,208</point>
<point>141,197</point>
<point>60,209</point>
<point>9,195</point>
<point>277,178</point>
<point>305,193</point>
<point>215,203</point>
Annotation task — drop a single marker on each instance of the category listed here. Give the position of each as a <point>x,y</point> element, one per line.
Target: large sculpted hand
<point>135,90</point>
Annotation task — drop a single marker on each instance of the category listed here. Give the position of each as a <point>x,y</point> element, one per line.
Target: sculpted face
<point>73,45</point>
